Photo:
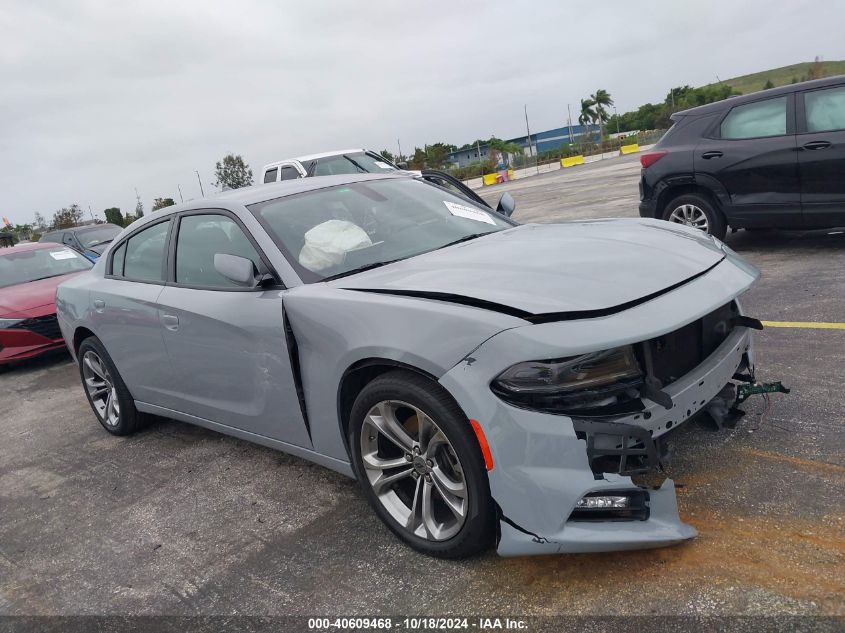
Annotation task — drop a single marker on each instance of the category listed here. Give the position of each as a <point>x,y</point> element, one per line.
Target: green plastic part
<point>745,390</point>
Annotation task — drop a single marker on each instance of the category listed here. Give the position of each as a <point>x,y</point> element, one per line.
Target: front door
<point>227,344</point>
<point>821,156</point>
<point>752,157</point>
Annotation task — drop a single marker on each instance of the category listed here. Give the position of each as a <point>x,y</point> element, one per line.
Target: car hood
<point>21,299</point>
<point>537,269</point>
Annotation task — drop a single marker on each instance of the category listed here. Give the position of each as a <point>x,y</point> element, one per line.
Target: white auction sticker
<point>62,254</point>
<point>383,165</point>
<point>463,211</point>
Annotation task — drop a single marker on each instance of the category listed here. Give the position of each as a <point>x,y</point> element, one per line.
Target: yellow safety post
<point>490,179</point>
<point>571,161</point>
<point>629,149</point>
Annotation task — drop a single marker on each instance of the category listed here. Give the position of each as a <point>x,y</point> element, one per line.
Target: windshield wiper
<point>465,238</point>
<point>363,171</point>
<point>45,277</point>
<point>93,244</point>
<point>361,269</point>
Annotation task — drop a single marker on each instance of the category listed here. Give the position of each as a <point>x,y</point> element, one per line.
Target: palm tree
<point>601,99</point>
<point>587,115</point>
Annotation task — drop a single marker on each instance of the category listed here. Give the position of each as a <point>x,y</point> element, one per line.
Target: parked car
<point>483,380</point>
<point>769,159</point>
<point>29,274</point>
<point>361,161</point>
<point>334,163</point>
<point>91,240</point>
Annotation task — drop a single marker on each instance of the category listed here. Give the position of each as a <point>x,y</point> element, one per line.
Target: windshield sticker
<point>383,165</point>
<point>63,254</point>
<point>463,211</point>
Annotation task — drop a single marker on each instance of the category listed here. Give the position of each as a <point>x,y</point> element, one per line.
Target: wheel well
<point>80,335</point>
<point>358,376</point>
<point>673,192</point>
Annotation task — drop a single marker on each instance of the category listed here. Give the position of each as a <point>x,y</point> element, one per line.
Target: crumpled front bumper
<point>541,466</point>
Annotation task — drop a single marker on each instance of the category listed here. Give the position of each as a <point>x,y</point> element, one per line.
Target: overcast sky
<point>101,97</point>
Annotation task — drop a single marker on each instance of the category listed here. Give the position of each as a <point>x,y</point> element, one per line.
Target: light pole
<point>200,182</point>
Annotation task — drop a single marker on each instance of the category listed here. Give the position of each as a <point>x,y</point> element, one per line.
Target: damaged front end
<point>572,465</point>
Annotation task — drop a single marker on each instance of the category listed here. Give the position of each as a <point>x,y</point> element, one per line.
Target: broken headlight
<point>597,381</point>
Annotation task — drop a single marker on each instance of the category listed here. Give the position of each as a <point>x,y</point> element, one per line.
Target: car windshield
<point>339,230</point>
<point>30,265</point>
<point>100,235</point>
<point>351,163</point>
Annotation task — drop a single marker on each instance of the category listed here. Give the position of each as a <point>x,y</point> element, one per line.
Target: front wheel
<point>698,212</point>
<point>419,464</point>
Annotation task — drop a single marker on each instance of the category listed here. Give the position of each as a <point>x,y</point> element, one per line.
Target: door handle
<point>816,145</point>
<point>170,321</point>
<point>99,305</point>
<point>709,155</point>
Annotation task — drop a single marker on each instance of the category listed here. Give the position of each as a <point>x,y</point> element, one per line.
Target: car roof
<point>730,102</point>
<point>91,227</point>
<point>308,157</point>
<point>29,246</point>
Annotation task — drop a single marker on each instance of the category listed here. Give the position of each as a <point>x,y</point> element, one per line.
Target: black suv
<point>774,158</point>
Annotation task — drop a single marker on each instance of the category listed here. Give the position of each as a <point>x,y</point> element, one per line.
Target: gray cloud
<point>101,97</point>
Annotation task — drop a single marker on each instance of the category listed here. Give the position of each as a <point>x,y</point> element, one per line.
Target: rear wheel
<point>698,212</point>
<point>106,392</point>
<point>420,466</point>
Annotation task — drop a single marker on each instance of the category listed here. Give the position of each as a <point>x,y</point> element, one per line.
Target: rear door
<point>751,155</point>
<point>821,155</point>
<point>227,344</point>
<point>125,313</point>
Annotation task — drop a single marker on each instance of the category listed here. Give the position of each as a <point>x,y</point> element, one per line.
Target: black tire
<point>477,532</point>
<point>717,227</point>
<point>129,419</point>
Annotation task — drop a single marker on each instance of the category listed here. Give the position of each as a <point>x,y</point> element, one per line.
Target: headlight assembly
<point>8,323</point>
<point>588,382</point>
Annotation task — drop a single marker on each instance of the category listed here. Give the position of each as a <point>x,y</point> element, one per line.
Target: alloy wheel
<point>690,215</point>
<point>101,388</point>
<point>414,470</point>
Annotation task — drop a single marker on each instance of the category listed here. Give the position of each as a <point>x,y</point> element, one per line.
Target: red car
<point>29,275</point>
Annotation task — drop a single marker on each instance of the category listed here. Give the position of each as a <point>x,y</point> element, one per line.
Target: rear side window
<point>117,260</point>
<point>753,120</point>
<point>201,237</point>
<point>144,260</point>
<point>270,175</point>
<point>825,109</point>
<point>289,172</point>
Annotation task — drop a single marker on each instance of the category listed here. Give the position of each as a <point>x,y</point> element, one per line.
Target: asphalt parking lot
<point>180,520</point>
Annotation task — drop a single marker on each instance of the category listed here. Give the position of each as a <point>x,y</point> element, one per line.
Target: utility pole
<point>569,123</point>
<point>616,114</point>
<point>138,198</point>
<point>528,131</point>
<point>200,182</point>
<point>92,213</point>
<point>180,193</point>
<point>399,145</point>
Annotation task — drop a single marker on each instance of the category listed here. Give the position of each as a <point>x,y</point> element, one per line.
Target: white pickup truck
<point>362,161</point>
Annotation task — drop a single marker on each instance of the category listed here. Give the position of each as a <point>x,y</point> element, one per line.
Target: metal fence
<point>586,147</point>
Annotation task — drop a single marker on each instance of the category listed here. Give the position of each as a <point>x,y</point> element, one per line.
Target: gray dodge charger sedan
<point>486,382</point>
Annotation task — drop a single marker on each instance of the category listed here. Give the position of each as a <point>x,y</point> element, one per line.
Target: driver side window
<point>200,238</point>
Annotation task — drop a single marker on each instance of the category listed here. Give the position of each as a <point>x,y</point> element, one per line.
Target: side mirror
<point>506,204</point>
<point>238,269</point>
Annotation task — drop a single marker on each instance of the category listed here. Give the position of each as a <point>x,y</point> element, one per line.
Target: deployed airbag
<point>327,244</point>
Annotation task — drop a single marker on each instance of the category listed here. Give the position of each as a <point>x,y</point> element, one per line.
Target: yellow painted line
<point>813,325</point>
